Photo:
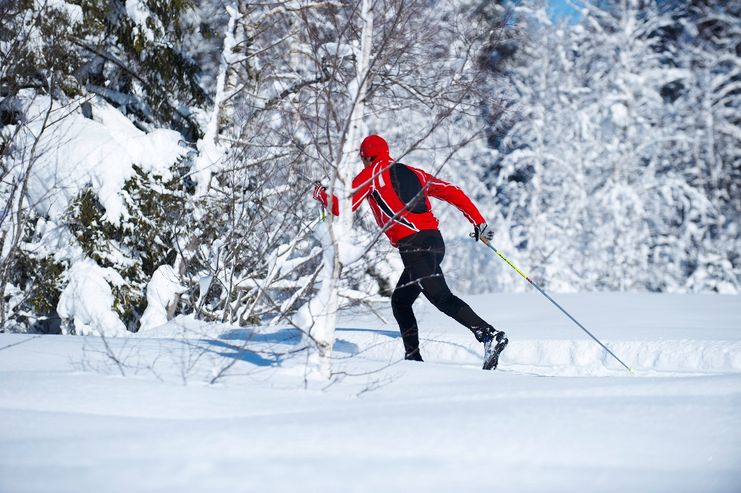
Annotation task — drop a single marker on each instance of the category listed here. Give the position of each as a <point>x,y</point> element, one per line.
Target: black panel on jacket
<point>408,188</point>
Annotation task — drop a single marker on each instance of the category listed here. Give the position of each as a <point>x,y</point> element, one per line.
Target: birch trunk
<point>337,233</point>
<point>209,151</point>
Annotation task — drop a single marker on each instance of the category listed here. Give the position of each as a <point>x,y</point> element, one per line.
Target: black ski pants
<point>422,254</point>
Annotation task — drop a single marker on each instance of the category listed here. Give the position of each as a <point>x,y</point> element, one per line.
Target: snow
<point>73,12</point>
<point>620,116</point>
<point>335,49</point>
<point>556,416</point>
<point>75,152</point>
<point>138,11</point>
<point>55,240</point>
<point>88,300</point>
<point>350,252</point>
<point>161,292</point>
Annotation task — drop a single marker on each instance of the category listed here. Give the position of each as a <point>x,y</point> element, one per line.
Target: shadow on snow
<point>285,336</point>
<point>241,353</point>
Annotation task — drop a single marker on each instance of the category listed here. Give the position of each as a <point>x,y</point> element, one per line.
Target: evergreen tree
<point>57,55</point>
<point>134,58</point>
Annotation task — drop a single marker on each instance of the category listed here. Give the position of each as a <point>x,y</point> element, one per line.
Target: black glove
<point>482,232</point>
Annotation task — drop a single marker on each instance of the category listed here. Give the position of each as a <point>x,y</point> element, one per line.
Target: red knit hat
<point>374,147</point>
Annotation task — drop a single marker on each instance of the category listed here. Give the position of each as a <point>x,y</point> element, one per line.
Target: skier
<point>398,195</point>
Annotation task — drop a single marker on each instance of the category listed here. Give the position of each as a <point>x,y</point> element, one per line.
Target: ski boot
<point>413,356</point>
<point>494,343</point>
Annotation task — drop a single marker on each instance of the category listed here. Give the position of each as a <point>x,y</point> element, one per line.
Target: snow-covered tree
<point>70,160</point>
<point>598,177</point>
<point>709,47</point>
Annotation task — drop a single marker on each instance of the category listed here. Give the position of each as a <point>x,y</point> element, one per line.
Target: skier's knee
<point>395,298</point>
<point>443,301</point>
<point>399,301</point>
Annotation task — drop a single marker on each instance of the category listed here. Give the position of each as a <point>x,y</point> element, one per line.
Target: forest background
<point>157,156</point>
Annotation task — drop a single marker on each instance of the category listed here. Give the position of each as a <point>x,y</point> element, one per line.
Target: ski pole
<point>487,243</point>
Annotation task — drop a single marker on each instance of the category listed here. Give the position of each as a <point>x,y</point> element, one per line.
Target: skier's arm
<point>320,194</point>
<point>443,190</point>
<point>361,188</point>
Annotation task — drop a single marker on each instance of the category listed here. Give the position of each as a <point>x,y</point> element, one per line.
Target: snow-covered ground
<point>558,415</point>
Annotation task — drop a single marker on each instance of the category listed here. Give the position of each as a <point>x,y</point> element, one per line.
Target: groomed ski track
<point>557,416</point>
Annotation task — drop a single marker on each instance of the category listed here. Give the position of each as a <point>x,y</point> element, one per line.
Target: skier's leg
<point>422,256</point>
<point>436,289</point>
<point>425,267</point>
<point>406,291</point>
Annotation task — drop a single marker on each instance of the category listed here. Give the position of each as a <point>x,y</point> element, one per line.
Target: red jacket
<point>399,196</point>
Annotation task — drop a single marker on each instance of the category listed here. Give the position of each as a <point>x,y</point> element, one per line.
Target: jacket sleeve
<point>324,199</point>
<point>361,186</point>
<point>448,192</point>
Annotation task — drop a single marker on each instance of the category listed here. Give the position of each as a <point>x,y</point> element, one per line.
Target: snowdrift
<point>656,335</point>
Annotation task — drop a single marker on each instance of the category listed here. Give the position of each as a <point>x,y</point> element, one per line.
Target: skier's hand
<point>482,232</point>
<point>320,193</point>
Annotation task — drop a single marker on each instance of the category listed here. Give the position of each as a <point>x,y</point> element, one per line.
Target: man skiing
<point>399,198</point>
